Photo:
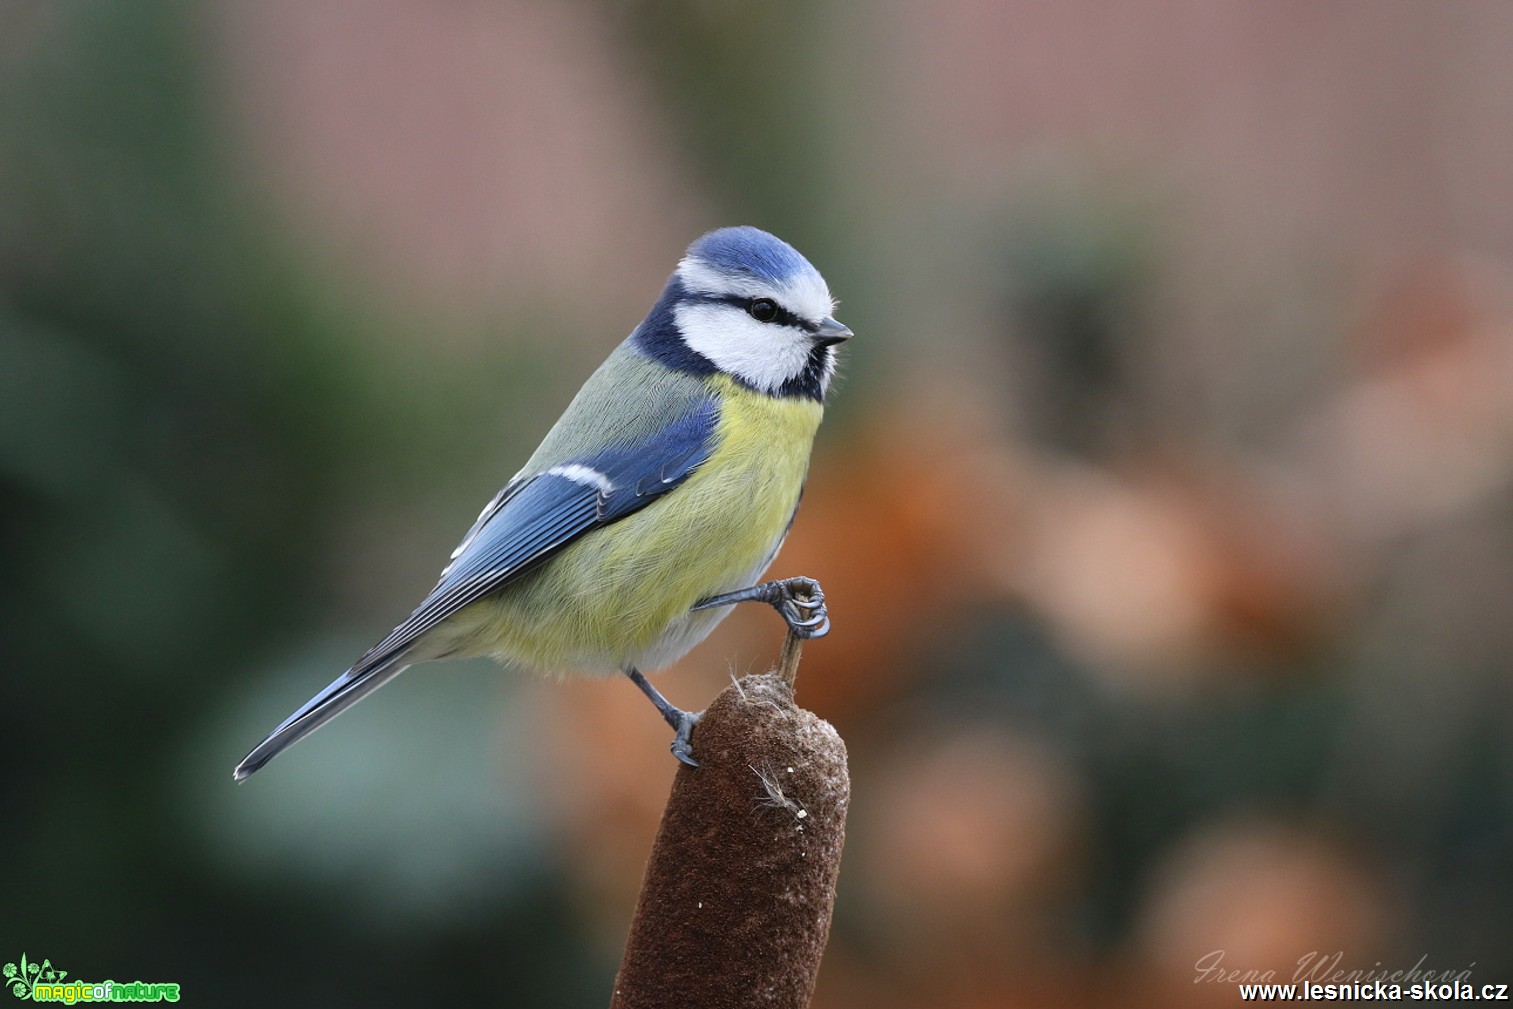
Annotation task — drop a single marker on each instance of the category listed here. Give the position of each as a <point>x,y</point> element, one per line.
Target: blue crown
<point>750,251</point>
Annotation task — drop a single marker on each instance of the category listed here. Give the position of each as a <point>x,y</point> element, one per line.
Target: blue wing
<point>533,518</point>
<point>536,516</point>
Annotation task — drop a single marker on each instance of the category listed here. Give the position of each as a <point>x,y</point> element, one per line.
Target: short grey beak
<point>831,332</point>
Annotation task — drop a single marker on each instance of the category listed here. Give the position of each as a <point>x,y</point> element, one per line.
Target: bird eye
<point>763,309</point>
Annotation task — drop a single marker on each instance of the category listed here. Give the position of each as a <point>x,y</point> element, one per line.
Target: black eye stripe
<point>782,318</point>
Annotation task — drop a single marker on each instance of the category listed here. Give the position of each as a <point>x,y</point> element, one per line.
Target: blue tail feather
<point>345,691</point>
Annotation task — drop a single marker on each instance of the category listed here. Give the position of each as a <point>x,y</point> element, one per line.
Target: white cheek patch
<point>762,354</point>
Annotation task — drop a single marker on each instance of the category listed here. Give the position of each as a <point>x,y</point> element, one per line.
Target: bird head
<point>745,303</point>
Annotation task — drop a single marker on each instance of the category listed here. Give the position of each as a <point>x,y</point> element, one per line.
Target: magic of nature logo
<point>42,982</point>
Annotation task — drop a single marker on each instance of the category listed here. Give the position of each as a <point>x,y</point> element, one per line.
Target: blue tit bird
<point>655,503</point>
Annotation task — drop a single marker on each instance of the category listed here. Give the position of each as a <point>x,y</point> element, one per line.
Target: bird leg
<point>791,597</point>
<point>681,721</point>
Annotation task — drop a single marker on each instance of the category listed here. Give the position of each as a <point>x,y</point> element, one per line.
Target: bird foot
<point>801,603</point>
<point>682,743</point>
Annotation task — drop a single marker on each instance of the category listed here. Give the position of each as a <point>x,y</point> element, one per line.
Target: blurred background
<point>1164,504</point>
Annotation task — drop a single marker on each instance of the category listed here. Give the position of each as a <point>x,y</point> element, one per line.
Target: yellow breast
<point>621,595</point>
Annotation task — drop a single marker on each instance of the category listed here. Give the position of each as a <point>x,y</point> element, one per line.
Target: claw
<point>808,634</point>
<point>682,743</point>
